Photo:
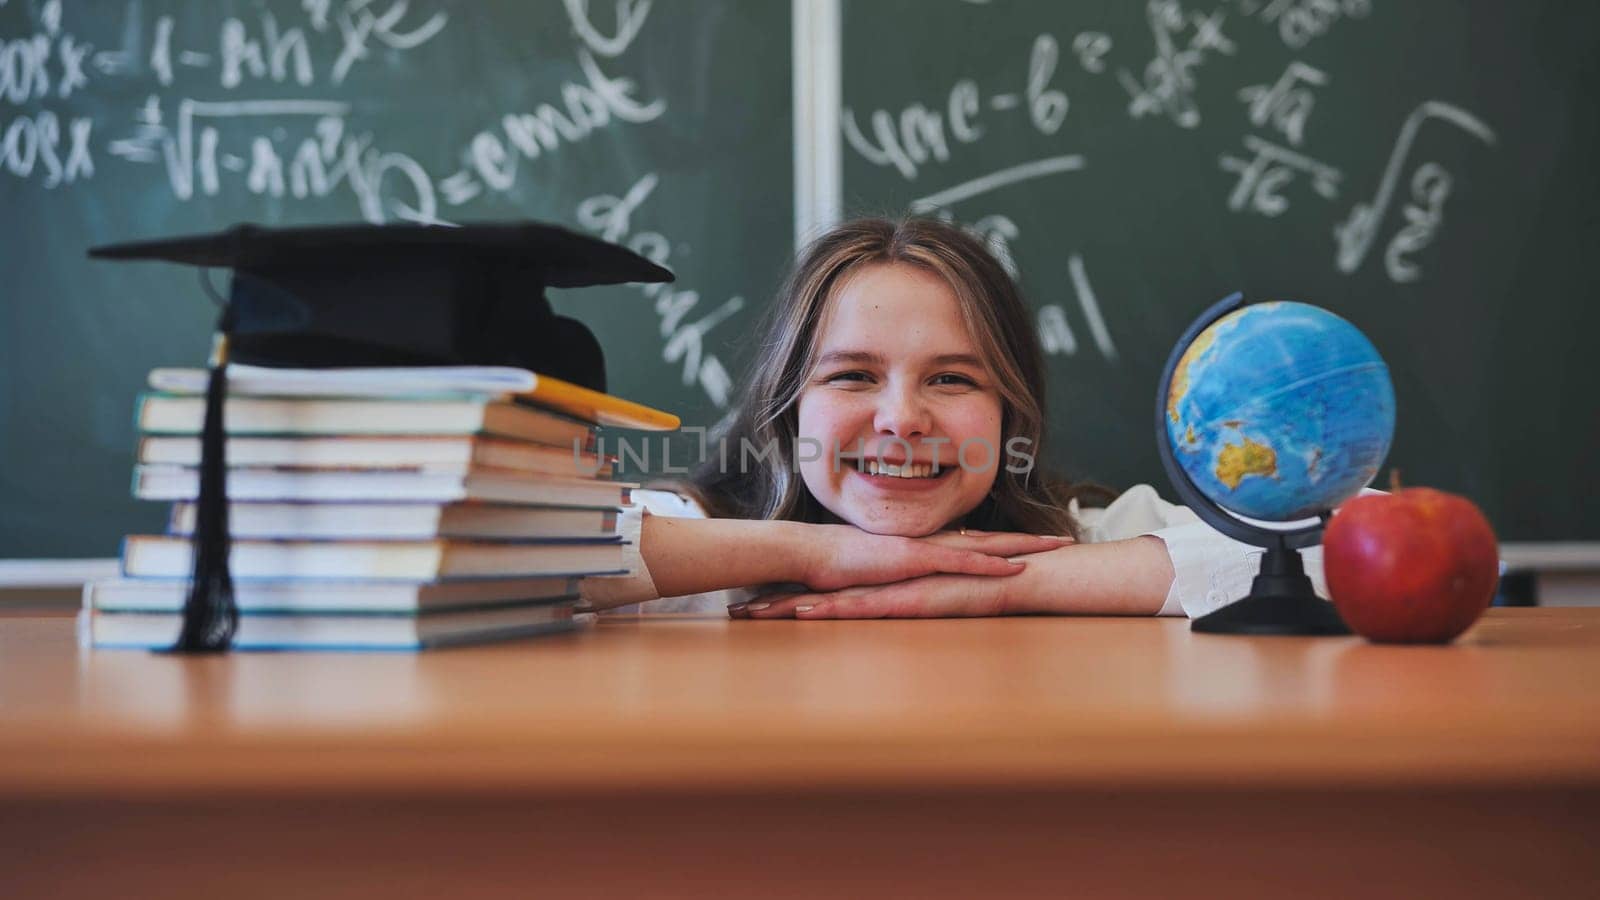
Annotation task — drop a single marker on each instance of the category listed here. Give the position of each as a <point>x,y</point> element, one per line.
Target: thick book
<point>183,483</point>
<point>135,630</point>
<point>165,556</point>
<point>185,414</point>
<point>415,521</point>
<point>167,595</point>
<point>398,452</point>
<point>574,400</point>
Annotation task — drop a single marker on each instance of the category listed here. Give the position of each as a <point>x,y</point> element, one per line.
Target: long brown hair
<point>766,415</point>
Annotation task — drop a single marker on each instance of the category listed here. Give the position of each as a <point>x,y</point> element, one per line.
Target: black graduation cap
<point>378,295</point>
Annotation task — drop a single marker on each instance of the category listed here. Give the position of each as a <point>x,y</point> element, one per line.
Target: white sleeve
<point>624,594</point>
<point>1210,569</point>
<point>613,592</point>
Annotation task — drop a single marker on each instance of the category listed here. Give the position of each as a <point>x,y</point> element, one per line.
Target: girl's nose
<point>901,413</point>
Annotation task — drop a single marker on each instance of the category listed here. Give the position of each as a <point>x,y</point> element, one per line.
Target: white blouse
<point>1211,570</point>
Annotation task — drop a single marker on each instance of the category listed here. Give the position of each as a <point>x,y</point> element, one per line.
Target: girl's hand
<point>841,556</point>
<point>1132,577</point>
<point>933,596</point>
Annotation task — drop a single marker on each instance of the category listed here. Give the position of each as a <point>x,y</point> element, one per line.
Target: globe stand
<point>1281,600</point>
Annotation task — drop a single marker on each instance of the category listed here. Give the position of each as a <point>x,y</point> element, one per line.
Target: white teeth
<point>907,470</point>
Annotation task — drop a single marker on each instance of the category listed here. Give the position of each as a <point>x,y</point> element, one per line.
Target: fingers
<point>774,606</point>
<point>999,543</point>
<point>971,562</point>
<point>773,601</point>
<point>880,603</point>
<point>937,596</point>
<point>847,604</point>
<point>982,554</point>
<point>916,557</point>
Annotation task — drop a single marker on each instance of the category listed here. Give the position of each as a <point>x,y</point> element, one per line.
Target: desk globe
<point>1269,416</point>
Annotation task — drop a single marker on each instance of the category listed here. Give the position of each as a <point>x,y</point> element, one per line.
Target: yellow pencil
<point>594,406</point>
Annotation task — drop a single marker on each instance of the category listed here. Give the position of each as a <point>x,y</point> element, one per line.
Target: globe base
<point>1281,602</point>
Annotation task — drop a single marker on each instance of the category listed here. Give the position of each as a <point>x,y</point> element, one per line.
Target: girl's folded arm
<point>671,556</point>
<point>1208,569</point>
<point>1204,569</point>
<point>1115,578</point>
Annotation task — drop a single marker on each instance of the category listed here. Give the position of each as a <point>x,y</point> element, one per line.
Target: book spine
<point>139,405</point>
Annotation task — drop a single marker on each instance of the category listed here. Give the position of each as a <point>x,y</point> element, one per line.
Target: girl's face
<point>897,376</point>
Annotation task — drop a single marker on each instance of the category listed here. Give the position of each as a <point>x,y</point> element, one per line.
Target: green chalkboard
<point>663,126</point>
<point>1424,168</point>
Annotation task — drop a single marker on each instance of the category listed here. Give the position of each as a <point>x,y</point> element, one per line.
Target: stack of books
<point>376,508</point>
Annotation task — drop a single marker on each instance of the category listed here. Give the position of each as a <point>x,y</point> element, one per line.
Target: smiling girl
<point>882,461</point>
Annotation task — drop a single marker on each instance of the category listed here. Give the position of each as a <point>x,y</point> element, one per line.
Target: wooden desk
<point>1092,757</point>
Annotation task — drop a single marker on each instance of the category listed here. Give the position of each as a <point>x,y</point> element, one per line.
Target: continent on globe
<point>1235,461</point>
<point>1180,377</point>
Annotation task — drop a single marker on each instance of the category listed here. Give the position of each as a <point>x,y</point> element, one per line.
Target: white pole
<point>818,191</point>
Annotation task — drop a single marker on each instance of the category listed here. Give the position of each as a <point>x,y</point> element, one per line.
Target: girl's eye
<point>847,376</point>
<point>949,378</point>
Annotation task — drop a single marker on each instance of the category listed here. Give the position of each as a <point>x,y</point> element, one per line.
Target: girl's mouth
<point>909,474</point>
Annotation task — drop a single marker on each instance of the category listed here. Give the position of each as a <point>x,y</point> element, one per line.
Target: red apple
<point>1415,566</point>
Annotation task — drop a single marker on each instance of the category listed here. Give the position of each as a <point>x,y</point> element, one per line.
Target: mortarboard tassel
<point>209,613</point>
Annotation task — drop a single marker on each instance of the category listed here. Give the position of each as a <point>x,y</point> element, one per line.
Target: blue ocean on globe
<point>1280,411</point>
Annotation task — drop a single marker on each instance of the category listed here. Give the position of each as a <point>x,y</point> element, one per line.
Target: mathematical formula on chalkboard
<point>200,128</point>
<point>288,147</point>
<point>1158,71</point>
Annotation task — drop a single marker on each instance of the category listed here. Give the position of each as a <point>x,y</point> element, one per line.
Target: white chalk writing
<point>388,186</point>
<point>1287,102</point>
<point>278,55</point>
<point>611,217</point>
<point>1263,177</point>
<point>1056,336</point>
<point>994,180</point>
<point>302,146</point>
<point>1301,21</point>
<point>48,66</point>
<point>40,143</point>
<point>1055,333</point>
<point>1170,78</point>
<point>1430,186</point>
<point>1091,48</point>
<point>630,19</point>
<point>997,231</point>
<point>44,65</point>
<point>586,107</point>
<point>919,134</point>
<point>494,156</point>
<point>1046,105</point>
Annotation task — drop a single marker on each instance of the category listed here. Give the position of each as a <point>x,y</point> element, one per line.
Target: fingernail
<point>802,609</point>
<point>757,607</point>
<point>738,607</point>
<point>1017,563</point>
<point>1061,538</point>
<point>974,531</point>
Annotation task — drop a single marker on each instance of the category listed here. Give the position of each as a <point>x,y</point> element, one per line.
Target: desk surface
<point>679,702</point>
